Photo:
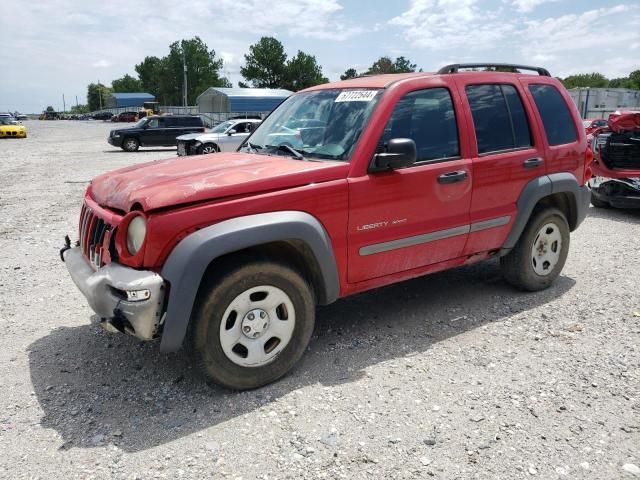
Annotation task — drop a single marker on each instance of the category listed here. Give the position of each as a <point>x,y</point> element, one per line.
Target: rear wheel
<point>130,144</point>
<point>208,148</point>
<point>541,252</point>
<point>253,324</point>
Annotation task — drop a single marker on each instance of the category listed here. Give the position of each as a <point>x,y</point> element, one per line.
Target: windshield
<point>322,124</point>
<point>140,122</point>
<point>221,128</point>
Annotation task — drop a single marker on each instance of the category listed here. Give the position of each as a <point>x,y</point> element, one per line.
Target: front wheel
<point>130,144</point>
<point>541,252</point>
<point>209,148</point>
<point>253,324</point>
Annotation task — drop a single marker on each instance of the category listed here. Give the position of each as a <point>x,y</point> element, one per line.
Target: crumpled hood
<point>202,137</point>
<point>167,183</point>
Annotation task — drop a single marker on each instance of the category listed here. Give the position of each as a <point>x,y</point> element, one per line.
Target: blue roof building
<point>137,99</point>
<point>240,100</point>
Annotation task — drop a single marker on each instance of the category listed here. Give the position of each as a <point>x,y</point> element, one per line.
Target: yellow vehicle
<point>148,109</point>
<point>10,128</point>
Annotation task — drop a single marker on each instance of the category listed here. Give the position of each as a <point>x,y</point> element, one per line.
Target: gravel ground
<point>450,376</point>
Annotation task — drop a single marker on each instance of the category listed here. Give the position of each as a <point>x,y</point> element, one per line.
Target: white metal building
<point>600,102</point>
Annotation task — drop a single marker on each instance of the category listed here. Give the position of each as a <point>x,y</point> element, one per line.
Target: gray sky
<point>54,47</point>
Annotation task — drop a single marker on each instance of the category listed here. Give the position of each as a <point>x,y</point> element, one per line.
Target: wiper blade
<point>284,147</point>
<point>251,146</point>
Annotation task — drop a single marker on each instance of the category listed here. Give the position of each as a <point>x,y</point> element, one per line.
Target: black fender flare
<point>188,261</point>
<point>536,190</point>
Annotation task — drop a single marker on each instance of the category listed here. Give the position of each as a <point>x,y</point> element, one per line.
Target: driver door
<point>419,215</point>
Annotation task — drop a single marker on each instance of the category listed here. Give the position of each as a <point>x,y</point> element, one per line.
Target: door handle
<point>533,162</point>
<point>452,177</point>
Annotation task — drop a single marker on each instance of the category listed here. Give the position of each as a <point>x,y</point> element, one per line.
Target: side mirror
<point>401,152</point>
<point>231,132</point>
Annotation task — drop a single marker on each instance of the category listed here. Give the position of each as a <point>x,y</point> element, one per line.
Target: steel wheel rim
<point>257,326</point>
<point>546,249</point>
<point>131,144</point>
<point>209,149</point>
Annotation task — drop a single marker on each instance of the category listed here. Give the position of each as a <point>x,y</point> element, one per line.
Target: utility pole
<point>64,104</point>
<point>77,101</point>
<point>100,94</point>
<point>184,83</point>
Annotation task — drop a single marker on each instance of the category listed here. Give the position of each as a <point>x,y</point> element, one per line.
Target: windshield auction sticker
<point>356,96</point>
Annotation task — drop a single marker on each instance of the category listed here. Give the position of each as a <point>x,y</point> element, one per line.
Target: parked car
<point>125,117</point>
<point>11,128</point>
<point>409,174</point>
<point>592,124</point>
<point>225,137</point>
<point>616,164</point>
<point>102,116</point>
<point>155,131</point>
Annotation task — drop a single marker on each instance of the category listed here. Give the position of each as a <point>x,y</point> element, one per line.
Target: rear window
<point>499,118</point>
<point>556,117</point>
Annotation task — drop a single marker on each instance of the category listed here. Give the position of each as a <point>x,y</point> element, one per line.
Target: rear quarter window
<point>556,117</point>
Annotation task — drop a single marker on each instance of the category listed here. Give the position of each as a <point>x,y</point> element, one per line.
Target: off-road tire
<point>130,144</point>
<point>214,298</point>
<point>596,202</point>
<point>517,266</point>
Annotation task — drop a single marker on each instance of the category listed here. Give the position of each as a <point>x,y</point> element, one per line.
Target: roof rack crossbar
<point>455,67</point>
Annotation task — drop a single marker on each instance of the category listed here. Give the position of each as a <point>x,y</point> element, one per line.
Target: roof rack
<point>454,67</point>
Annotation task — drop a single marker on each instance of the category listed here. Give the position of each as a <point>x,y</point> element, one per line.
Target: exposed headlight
<point>136,232</point>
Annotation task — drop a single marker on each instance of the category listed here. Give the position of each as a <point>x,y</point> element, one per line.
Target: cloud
<point>529,5</point>
<point>101,64</point>
<point>447,24</point>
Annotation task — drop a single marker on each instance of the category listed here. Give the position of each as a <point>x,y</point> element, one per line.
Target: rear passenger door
<point>508,155</point>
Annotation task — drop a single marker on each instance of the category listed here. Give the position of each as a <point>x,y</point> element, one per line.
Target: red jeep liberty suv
<point>345,187</point>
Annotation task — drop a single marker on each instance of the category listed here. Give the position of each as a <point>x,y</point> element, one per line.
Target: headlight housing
<point>136,232</point>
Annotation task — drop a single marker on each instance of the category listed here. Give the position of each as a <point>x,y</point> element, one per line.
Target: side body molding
<point>188,261</point>
<point>537,189</point>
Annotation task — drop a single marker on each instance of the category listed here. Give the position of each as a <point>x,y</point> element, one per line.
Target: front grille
<point>92,233</point>
<point>622,150</point>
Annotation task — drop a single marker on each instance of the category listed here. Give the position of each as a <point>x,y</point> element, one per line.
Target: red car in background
<point>592,124</point>
<point>125,117</point>
<point>616,162</point>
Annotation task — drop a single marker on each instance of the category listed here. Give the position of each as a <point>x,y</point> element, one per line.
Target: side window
<point>153,123</point>
<point>556,117</point>
<point>499,117</point>
<point>240,127</point>
<point>426,117</point>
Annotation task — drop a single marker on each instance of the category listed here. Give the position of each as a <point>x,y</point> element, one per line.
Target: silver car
<point>225,137</point>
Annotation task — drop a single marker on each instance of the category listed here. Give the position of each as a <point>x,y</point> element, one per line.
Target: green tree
<point>623,82</point>
<point>203,71</point>
<point>265,64</point>
<point>404,65</point>
<point>593,80</point>
<point>79,109</point>
<point>349,73</point>
<point>387,65</point>
<point>50,109</point>
<point>97,94</point>
<point>302,71</point>
<point>126,84</point>
<point>243,85</point>
<point>150,71</point>
<point>634,79</point>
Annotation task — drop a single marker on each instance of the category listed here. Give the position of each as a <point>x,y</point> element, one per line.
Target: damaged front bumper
<point>617,192</point>
<point>127,300</point>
